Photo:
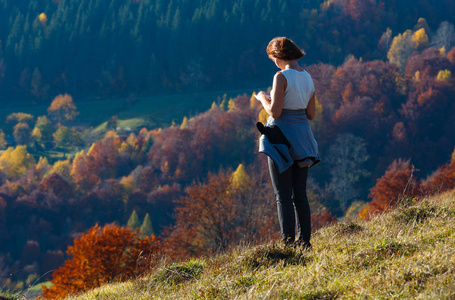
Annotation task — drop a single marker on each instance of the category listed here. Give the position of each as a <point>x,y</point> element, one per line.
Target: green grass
<point>134,124</point>
<point>6,295</point>
<point>408,253</point>
<point>30,292</point>
<point>38,286</point>
<point>154,111</point>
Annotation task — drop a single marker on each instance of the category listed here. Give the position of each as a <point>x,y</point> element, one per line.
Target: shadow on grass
<point>269,255</point>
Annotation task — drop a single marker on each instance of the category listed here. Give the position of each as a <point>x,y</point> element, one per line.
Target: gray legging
<point>292,202</point>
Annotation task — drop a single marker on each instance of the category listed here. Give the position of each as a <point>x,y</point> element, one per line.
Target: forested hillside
<point>384,123</point>
<point>103,48</point>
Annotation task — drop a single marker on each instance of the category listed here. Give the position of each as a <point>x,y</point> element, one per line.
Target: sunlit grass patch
<point>7,295</point>
<point>415,213</point>
<point>179,273</point>
<point>320,295</point>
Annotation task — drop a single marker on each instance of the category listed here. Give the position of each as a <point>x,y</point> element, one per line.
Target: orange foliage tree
<point>102,255</point>
<point>396,183</point>
<point>62,109</point>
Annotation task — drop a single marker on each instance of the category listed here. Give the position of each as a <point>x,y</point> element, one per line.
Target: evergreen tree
<point>2,140</point>
<point>146,228</point>
<point>133,221</point>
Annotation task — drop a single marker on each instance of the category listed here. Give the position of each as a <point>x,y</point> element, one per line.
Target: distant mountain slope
<point>149,47</point>
<point>407,253</point>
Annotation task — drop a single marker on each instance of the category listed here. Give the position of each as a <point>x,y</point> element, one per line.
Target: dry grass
<point>407,254</point>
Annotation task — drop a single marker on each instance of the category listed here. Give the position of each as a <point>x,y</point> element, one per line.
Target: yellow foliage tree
<point>128,184</point>
<point>78,169</point>
<point>316,123</point>
<point>263,116</point>
<point>124,148</point>
<point>45,127</point>
<point>442,51</point>
<point>2,140</point>
<point>253,100</point>
<point>36,134</point>
<point>417,76</point>
<point>43,165</point>
<point>231,104</point>
<point>184,123</point>
<point>444,75</point>
<point>401,49</point>
<point>422,24</point>
<point>67,137</point>
<point>111,134</point>
<point>42,19</point>
<point>20,118</point>
<point>239,179</point>
<point>15,162</point>
<point>420,39</point>
<point>62,168</point>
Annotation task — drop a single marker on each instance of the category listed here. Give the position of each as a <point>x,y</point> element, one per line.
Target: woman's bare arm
<point>311,108</point>
<point>273,105</point>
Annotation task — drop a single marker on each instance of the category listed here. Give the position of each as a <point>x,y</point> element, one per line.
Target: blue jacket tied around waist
<point>289,138</point>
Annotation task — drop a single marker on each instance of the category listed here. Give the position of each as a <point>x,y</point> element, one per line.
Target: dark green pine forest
<point>99,49</point>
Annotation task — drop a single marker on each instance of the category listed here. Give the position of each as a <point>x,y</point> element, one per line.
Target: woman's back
<point>299,90</point>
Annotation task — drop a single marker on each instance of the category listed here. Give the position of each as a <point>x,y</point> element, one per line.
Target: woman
<point>291,105</point>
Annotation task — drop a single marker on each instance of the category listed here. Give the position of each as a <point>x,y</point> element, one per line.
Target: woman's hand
<point>262,96</point>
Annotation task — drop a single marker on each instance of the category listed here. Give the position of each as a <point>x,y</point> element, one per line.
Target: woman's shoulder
<point>280,74</point>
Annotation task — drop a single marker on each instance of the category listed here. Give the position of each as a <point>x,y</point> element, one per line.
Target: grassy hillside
<point>408,253</point>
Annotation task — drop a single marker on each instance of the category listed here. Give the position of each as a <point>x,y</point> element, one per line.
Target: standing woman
<point>291,105</point>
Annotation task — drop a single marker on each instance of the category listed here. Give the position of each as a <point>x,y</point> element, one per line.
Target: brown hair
<point>285,49</point>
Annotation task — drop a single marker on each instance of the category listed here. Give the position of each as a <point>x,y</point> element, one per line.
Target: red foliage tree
<point>321,219</point>
<point>396,183</point>
<point>363,10</point>
<point>441,180</point>
<point>31,253</point>
<point>102,255</point>
<point>219,214</point>
<point>216,137</point>
<point>205,219</point>
<point>429,60</point>
<point>56,184</point>
<point>451,56</point>
<point>102,158</point>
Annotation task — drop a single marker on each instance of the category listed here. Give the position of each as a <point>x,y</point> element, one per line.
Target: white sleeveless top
<point>299,90</point>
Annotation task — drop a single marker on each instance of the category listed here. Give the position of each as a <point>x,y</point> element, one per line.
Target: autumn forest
<point>124,199</point>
